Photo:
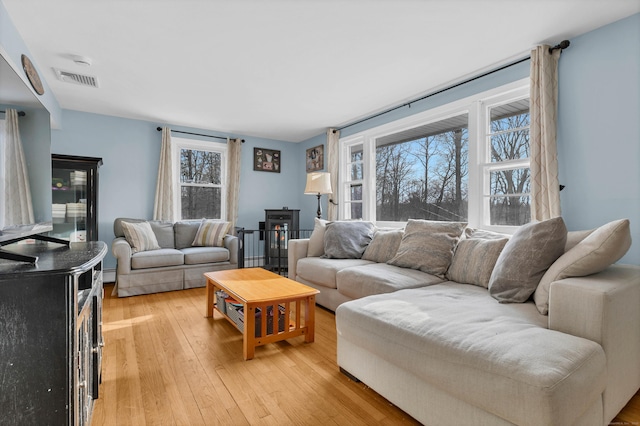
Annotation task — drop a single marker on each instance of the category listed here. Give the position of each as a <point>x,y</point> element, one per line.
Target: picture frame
<point>266,160</point>
<point>315,158</point>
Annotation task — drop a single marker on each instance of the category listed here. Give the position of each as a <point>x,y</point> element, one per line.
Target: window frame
<point>476,107</point>
<point>179,144</point>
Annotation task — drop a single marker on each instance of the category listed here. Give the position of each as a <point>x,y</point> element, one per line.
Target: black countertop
<point>53,258</point>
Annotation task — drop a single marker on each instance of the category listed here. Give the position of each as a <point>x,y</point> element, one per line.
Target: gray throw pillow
<point>384,246</point>
<point>475,258</point>
<point>347,240</point>
<point>428,246</point>
<point>525,258</point>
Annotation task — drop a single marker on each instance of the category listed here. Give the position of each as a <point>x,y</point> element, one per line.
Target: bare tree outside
<point>200,180</point>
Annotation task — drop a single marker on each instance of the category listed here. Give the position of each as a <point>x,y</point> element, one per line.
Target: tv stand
<point>7,255</point>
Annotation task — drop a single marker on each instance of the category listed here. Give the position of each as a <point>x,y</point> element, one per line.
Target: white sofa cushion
<point>323,271</point>
<point>377,278</point>
<point>498,357</point>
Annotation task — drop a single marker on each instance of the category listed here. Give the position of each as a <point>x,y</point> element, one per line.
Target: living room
<point>598,131</point>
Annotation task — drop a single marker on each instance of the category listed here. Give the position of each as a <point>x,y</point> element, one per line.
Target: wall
<point>130,150</point>
<point>598,125</point>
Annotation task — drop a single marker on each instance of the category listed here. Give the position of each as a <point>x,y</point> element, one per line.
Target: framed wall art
<point>266,160</point>
<point>315,158</point>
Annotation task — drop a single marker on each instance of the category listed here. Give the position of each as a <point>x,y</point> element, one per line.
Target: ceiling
<point>283,69</point>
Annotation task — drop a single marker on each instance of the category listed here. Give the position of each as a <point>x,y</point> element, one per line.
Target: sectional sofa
<point>461,326</point>
<point>155,256</point>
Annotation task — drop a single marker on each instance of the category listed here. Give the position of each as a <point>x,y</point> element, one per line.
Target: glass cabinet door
<point>74,184</point>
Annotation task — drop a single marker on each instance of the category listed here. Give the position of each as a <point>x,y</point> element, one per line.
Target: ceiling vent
<point>75,78</point>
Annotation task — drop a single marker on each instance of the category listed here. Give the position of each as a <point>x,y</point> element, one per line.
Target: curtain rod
<point>20,113</point>
<point>197,134</point>
<point>562,45</point>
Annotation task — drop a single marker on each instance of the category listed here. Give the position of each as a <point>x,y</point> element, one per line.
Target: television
<point>35,133</point>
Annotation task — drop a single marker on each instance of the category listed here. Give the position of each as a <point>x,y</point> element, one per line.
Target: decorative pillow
<point>347,240</point>
<point>316,240</point>
<point>140,236</point>
<point>475,258</point>
<point>525,258</point>
<point>383,246</point>
<point>601,248</point>
<point>428,246</point>
<point>211,233</point>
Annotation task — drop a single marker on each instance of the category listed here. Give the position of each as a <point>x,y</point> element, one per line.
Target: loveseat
<point>155,256</point>
<point>538,328</point>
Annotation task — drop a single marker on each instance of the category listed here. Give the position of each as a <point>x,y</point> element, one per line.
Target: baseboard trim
<point>108,275</point>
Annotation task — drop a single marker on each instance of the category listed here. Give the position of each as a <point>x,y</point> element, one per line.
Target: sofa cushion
<point>198,255</point>
<point>475,257</point>
<point>322,271</point>
<point>377,278</point>
<point>347,240</point>
<point>164,233</point>
<point>384,245</point>
<point>185,232</point>
<point>140,236</point>
<point>499,357</point>
<point>525,258</point>
<point>601,248</point>
<point>211,233</point>
<point>157,259</point>
<point>316,240</point>
<point>428,246</point>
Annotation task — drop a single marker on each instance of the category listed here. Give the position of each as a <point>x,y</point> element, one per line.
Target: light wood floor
<point>165,363</point>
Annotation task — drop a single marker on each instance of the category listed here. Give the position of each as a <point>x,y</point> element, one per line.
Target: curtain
<point>545,187</point>
<point>234,149</point>
<point>18,209</point>
<point>333,167</point>
<point>163,207</point>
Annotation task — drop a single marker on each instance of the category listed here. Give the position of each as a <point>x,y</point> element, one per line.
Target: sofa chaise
<point>540,328</point>
<point>155,256</point>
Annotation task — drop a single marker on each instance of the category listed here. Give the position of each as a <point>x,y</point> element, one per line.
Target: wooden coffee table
<point>257,288</point>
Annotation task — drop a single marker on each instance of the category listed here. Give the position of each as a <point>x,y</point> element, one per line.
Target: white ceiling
<point>283,69</point>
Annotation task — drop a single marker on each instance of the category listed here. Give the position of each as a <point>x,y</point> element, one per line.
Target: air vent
<point>75,78</point>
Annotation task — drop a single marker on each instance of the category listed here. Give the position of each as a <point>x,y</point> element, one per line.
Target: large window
<point>465,161</point>
<point>200,170</point>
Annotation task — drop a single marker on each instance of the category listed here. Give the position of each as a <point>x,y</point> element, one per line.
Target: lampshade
<point>318,183</point>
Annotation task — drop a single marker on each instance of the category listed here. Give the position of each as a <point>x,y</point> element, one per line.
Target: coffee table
<point>257,288</point>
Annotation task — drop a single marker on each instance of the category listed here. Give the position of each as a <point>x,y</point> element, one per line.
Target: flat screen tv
<point>35,134</point>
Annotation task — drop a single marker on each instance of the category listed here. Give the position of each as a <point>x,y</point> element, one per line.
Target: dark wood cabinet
<point>74,197</point>
<point>51,334</point>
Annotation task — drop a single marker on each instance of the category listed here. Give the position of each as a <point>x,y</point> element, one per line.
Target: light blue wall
<point>130,150</point>
<point>599,129</point>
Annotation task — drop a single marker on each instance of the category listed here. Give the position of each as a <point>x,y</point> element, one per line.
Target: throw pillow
<point>475,258</point>
<point>316,240</point>
<point>525,258</point>
<point>211,233</point>
<point>428,246</point>
<point>601,248</point>
<point>140,236</point>
<point>347,240</point>
<point>383,246</point>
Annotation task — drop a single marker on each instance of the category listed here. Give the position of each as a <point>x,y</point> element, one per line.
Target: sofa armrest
<point>296,249</point>
<point>604,308</point>
<point>231,243</point>
<point>122,252</point>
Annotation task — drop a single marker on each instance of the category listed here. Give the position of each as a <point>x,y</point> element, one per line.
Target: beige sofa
<point>175,265</point>
<point>448,352</point>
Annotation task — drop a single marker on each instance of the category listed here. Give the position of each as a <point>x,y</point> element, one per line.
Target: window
<point>200,170</point>
<point>464,161</point>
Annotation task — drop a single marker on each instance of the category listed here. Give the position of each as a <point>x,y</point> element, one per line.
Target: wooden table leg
<point>309,319</point>
<point>210,301</point>
<point>249,333</point>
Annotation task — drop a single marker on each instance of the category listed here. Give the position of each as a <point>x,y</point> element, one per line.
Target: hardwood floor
<point>165,363</point>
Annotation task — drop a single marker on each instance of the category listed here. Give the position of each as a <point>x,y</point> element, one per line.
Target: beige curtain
<point>333,168</point>
<point>18,209</point>
<point>234,150</point>
<point>163,207</point>
<point>545,187</point>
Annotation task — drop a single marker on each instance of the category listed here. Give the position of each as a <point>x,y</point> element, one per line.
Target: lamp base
<point>319,212</point>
